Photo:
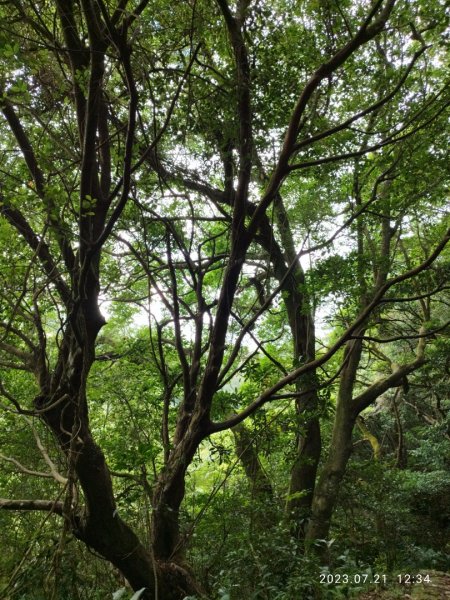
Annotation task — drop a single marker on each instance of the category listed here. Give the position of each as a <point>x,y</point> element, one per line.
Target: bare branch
<point>24,469</point>
<point>42,505</point>
<point>53,470</point>
<point>372,108</point>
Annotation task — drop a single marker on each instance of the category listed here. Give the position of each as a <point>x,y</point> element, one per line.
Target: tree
<point>170,158</point>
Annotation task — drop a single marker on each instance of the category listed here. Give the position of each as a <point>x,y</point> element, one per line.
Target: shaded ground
<point>437,589</point>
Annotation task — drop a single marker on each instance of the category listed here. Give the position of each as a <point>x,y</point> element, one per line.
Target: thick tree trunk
<point>168,547</point>
<point>159,569</point>
<point>98,523</point>
<point>167,499</point>
<point>169,490</point>
<point>327,488</point>
<point>347,410</point>
<point>303,476</point>
<point>301,321</point>
<point>289,272</point>
<point>309,444</point>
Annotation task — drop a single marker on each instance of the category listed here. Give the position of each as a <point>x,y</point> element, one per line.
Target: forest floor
<point>437,589</point>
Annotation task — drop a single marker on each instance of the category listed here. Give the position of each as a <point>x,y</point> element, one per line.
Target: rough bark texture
<point>167,498</point>
<point>348,408</point>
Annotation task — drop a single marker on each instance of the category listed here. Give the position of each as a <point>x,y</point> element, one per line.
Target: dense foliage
<point>224,309</point>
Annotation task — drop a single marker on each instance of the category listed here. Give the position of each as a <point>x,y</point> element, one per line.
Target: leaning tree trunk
<point>291,276</point>
<point>97,523</point>
<point>327,488</point>
<point>63,406</point>
<point>348,408</point>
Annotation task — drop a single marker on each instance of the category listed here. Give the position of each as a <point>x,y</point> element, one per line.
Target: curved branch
<point>372,108</point>
<point>382,385</point>
<point>23,469</point>
<point>370,29</point>
<point>397,338</point>
<point>267,396</point>
<point>244,112</point>
<point>24,145</point>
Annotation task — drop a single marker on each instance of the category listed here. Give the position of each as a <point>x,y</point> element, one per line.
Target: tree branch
<point>367,32</point>
<point>43,505</point>
<point>366,398</point>
<point>362,317</point>
<point>372,108</point>
<point>24,469</point>
<point>18,221</point>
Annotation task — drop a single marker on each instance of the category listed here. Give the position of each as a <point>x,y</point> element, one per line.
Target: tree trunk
<point>303,475</point>
<point>289,272</point>
<point>98,523</point>
<point>301,321</point>
<point>167,499</point>
<point>168,548</point>
<point>327,489</point>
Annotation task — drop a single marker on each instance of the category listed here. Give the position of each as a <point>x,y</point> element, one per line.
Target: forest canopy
<point>224,328</point>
